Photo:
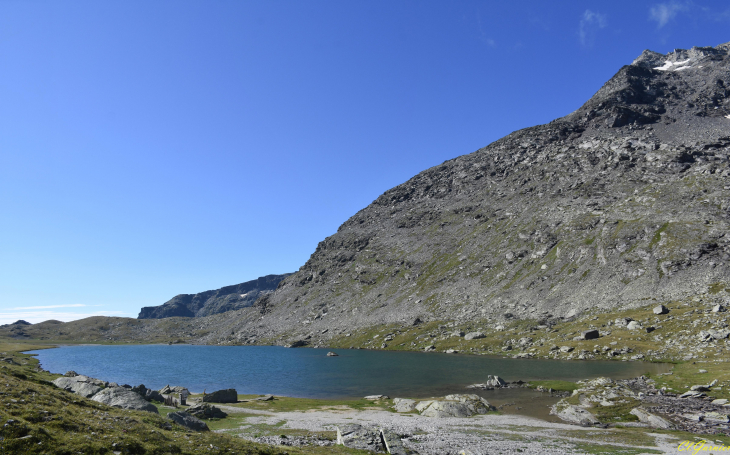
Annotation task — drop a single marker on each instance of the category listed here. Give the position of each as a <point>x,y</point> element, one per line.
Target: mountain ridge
<point>227,298</point>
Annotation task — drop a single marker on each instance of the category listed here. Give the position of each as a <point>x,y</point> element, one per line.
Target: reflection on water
<point>310,373</point>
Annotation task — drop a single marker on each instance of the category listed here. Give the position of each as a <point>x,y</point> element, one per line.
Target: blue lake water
<point>310,373</point>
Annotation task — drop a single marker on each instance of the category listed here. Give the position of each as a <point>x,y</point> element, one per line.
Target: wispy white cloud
<point>589,23</point>
<point>662,13</point>
<point>75,305</point>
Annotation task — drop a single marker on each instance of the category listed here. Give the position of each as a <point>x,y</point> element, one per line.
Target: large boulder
<point>574,414</point>
<point>185,420</point>
<point>221,396</point>
<point>474,335</point>
<point>206,411</point>
<point>358,437</point>
<point>121,397</point>
<point>80,385</point>
<point>404,405</point>
<point>154,395</point>
<point>461,405</point>
<point>651,419</point>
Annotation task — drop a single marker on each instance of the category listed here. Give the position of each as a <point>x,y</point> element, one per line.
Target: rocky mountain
<point>622,203</point>
<point>206,303</point>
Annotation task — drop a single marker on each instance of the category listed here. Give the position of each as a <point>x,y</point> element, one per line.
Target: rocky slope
<point>228,298</point>
<point>620,203</point>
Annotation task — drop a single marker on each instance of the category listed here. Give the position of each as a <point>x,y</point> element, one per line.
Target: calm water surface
<point>310,373</point>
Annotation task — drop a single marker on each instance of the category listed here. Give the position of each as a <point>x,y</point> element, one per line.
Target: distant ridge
<point>206,303</point>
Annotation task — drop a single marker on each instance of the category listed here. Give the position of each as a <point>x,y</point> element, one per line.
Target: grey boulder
<point>460,405</point>
<point>404,405</point>
<point>589,335</point>
<point>221,396</point>
<point>188,421</point>
<point>651,419</point>
<point>154,395</point>
<point>121,397</point>
<point>474,335</point>
<point>206,411</point>
<point>661,309</point>
<point>574,414</point>
<point>80,385</point>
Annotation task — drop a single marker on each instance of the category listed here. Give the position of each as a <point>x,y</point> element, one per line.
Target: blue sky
<point>149,149</point>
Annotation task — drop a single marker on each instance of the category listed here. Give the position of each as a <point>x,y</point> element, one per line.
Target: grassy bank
<point>38,418</point>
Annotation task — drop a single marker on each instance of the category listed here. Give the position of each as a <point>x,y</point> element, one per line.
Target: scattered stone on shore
<point>451,351</point>
<point>376,397</point>
<point>474,335</point>
<point>206,411</point>
<point>566,348</point>
<point>221,396</point>
<point>589,334</point>
<point>188,421</point>
<point>265,398</point>
<point>651,419</point>
<point>298,344</point>
<point>493,381</point>
<point>332,354</point>
<point>120,397</point>
<point>80,385</point>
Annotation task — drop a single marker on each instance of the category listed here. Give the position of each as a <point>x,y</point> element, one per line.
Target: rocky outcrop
<point>206,303</point>
<point>121,397</point>
<point>650,419</point>
<point>221,396</point>
<point>358,437</point>
<point>80,385</point>
<point>188,421</point>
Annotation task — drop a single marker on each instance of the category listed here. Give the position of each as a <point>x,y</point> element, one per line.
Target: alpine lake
<point>310,373</point>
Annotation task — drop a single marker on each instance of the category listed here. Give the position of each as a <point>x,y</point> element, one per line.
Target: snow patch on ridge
<point>670,65</point>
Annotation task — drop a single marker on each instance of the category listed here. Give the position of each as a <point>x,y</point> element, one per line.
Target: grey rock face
<point>228,298</point>
<point>188,421</point>
<point>221,396</point>
<point>557,195</point>
<point>80,385</point>
<point>124,398</point>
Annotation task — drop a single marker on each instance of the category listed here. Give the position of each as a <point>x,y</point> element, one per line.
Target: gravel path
<point>480,435</point>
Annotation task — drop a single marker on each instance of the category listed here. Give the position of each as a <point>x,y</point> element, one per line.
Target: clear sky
<point>149,149</point>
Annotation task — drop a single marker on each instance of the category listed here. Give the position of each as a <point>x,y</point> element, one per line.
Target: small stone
<point>703,371</point>
<point>718,309</point>
<point>633,325</point>
<point>590,334</point>
<point>661,309</point>
<point>332,354</point>
<point>566,348</point>
<point>376,397</point>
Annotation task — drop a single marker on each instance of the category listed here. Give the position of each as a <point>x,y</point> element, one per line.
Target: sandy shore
<point>479,435</point>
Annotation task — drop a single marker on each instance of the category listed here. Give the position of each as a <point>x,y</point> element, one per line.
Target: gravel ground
<point>481,435</point>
